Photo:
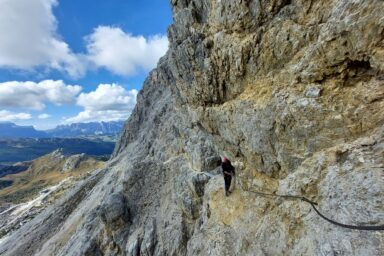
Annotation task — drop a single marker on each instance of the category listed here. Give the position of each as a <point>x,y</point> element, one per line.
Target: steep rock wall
<point>291,91</point>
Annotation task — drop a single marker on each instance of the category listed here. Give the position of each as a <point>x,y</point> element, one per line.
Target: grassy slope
<point>44,171</point>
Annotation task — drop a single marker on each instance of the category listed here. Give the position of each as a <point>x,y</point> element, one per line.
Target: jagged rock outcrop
<point>291,91</point>
<point>73,162</point>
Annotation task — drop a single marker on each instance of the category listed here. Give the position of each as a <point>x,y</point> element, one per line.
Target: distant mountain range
<point>11,130</point>
<point>83,129</point>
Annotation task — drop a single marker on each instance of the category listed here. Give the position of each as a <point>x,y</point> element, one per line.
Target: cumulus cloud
<point>122,53</point>
<point>43,116</point>
<point>31,95</point>
<point>8,116</point>
<point>109,102</point>
<point>29,38</point>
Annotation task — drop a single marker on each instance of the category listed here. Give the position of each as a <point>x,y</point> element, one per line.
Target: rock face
<point>291,91</point>
<point>73,162</point>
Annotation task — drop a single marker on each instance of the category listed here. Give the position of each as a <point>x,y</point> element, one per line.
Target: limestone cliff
<point>291,90</point>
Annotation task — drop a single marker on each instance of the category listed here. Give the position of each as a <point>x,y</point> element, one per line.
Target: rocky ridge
<point>46,179</point>
<point>291,91</point>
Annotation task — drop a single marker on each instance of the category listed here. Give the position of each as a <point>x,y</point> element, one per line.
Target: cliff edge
<point>291,91</point>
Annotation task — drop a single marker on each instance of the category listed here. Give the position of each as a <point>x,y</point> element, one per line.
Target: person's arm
<point>226,170</point>
<point>231,170</point>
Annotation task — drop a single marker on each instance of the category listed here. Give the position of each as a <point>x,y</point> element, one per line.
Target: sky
<point>69,61</point>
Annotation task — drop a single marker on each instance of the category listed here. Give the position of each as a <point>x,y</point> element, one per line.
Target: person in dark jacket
<point>228,172</point>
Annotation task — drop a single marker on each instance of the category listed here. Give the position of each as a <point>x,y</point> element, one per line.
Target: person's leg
<point>225,185</point>
<point>227,180</point>
<point>233,184</point>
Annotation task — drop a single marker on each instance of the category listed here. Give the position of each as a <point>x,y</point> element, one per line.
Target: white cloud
<point>109,102</point>
<point>7,116</point>
<point>98,116</point>
<point>31,95</point>
<point>29,38</point>
<point>122,53</point>
<point>44,116</point>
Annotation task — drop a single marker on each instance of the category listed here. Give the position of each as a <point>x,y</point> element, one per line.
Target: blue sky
<point>77,61</point>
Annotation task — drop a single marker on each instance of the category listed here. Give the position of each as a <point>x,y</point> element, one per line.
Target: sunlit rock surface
<point>291,91</point>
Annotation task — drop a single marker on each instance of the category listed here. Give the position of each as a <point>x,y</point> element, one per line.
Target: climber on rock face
<point>228,172</point>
